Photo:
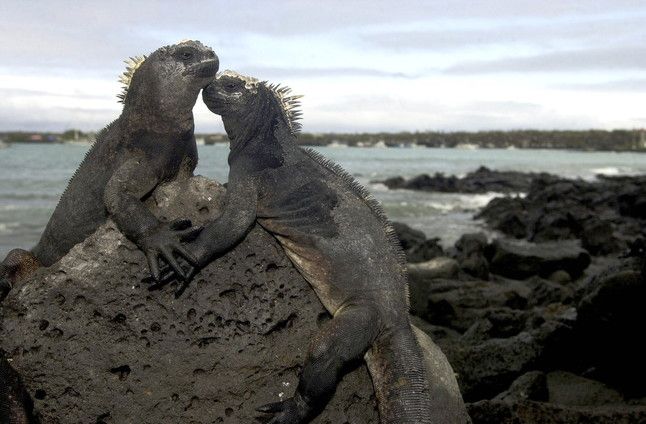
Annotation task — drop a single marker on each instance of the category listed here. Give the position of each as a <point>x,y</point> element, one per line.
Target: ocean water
<point>32,178</point>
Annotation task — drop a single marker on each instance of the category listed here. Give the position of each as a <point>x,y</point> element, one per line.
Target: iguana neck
<point>138,118</point>
<point>255,131</point>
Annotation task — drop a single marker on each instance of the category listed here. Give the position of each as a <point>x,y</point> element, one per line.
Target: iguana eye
<point>231,85</point>
<point>185,54</point>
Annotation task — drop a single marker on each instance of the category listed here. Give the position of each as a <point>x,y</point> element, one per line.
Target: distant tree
<point>72,134</point>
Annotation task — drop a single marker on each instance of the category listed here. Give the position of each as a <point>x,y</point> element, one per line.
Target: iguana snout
<point>205,69</point>
<point>231,92</point>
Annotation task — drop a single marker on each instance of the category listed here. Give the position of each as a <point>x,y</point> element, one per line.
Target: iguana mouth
<point>205,69</point>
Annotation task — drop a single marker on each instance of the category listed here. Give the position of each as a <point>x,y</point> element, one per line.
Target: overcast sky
<point>362,65</point>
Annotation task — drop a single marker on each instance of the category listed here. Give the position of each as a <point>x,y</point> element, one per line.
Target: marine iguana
<point>339,238</point>
<point>152,141</point>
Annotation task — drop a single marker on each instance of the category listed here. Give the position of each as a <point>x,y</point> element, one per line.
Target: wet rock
<point>604,214</point>
<point>570,389</point>
<point>488,368</point>
<point>415,244</point>
<point>597,237</point>
<point>530,412</point>
<point>471,255</point>
<point>482,180</point>
<point>458,304</point>
<point>529,386</point>
<point>545,292</point>
<point>517,259</point>
<point>610,314</point>
<point>408,237</point>
<point>556,397</point>
<point>440,267</point>
<point>438,333</point>
<point>507,215</point>
<point>560,276</point>
<point>92,344</point>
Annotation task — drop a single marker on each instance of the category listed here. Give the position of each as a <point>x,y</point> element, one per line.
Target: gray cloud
<point>605,59</point>
<point>601,30</point>
<point>633,84</point>
<point>282,73</point>
<point>26,92</point>
<point>90,39</point>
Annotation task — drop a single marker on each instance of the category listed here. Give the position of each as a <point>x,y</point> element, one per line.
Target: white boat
<point>337,144</point>
<point>467,146</point>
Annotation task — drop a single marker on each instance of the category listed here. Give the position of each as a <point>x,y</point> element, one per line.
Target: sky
<point>362,65</point>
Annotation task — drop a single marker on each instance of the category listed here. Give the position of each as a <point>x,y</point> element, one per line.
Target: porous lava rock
<point>93,345</point>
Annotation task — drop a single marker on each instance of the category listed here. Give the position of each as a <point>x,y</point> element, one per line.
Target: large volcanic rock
<point>93,345</point>
<point>482,180</point>
<point>517,259</point>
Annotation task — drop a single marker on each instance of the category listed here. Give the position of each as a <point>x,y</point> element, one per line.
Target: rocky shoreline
<point>540,324</point>
<point>482,180</point>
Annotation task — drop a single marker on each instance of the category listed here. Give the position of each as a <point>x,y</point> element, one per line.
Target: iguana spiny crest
<point>132,64</point>
<point>288,104</point>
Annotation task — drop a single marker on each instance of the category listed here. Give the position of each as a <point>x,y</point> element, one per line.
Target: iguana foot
<point>168,275</point>
<point>165,241</point>
<point>18,264</point>
<point>291,411</point>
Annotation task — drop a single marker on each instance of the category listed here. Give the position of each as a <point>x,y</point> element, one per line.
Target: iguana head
<point>246,103</point>
<point>168,80</point>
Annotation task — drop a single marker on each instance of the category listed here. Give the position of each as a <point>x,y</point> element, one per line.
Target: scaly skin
<point>339,239</point>
<point>150,143</point>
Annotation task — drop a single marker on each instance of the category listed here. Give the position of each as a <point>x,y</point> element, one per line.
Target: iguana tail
<point>413,380</point>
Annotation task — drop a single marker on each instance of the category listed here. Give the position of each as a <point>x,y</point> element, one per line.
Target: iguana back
<point>338,237</point>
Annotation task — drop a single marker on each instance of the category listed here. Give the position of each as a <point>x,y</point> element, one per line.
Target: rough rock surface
<point>610,313</point>
<point>606,215</point>
<point>517,259</point>
<point>482,180</point>
<point>93,345</point>
<point>415,244</point>
<point>538,330</point>
<point>440,267</point>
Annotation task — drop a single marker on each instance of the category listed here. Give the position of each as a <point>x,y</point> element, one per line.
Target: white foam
<point>607,170</point>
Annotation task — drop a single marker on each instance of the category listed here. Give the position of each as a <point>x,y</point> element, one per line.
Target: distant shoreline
<point>585,140</point>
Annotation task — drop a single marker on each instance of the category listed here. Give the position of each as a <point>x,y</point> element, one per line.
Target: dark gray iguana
<point>151,142</point>
<point>340,240</point>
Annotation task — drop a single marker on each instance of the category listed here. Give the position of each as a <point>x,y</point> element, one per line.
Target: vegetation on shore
<point>615,140</point>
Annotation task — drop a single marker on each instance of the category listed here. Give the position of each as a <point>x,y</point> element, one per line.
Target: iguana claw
<point>291,411</point>
<point>164,241</point>
<point>168,275</point>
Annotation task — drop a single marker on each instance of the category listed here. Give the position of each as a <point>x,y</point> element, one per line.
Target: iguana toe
<point>291,411</point>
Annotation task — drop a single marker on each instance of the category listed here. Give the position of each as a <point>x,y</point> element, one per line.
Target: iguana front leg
<point>236,220</point>
<point>221,234</point>
<point>123,196</point>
